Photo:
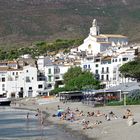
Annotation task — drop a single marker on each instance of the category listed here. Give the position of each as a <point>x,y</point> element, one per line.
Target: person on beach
<point>90,114</point>
<point>85,124</point>
<point>38,112</point>
<point>81,114</point>
<point>76,110</point>
<point>58,107</point>
<point>127,114</point>
<point>110,115</point>
<point>71,116</point>
<point>98,114</point>
<point>63,116</point>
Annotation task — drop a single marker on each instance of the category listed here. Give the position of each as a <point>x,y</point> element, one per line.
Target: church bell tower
<point>94,30</point>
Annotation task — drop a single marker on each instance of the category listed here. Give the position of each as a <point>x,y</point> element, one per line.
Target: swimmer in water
<point>28,116</point>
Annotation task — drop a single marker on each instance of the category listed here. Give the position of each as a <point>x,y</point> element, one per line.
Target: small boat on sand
<point>4,101</point>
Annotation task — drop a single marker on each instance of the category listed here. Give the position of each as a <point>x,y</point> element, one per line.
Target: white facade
<point>106,68</point>
<point>54,74</point>
<point>24,82</point>
<point>96,42</point>
<point>102,54</point>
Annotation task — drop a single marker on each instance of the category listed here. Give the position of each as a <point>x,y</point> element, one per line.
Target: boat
<point>4,101</point>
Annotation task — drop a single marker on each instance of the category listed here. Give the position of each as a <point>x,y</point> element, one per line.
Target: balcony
<point>114,71</point>
<point>104,72</point>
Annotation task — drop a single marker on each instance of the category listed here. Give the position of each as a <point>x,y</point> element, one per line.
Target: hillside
<point>26,21</point>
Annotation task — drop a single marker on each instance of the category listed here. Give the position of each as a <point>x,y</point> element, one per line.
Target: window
<point>97,76</point>
<point>21,89</point>
<point>96,71</point>
<point>56,70</point>
<point>3,79</point>
<point>16,73</point>
<point>40,86</point>
<point>49,78</point>
<point>49,71</point>
<point>114,78</point>
<point>27,71</point>
<point>89,46</point>
<point>85,66</point>
<point>16,77</point>
<point>96,65</point>
<point>102,70</point>
<point>57,77</point>
<point>49,86</point>
<point>102,77</point>
<point>115,60</point>
<point>124,59</point>
<point>28,79</point>
<point>13,73</point>
<point>89,66</point>
<point>32,78</point>
<point>30,88</point>
<point>107,77</point>
<point>3,87</point>
<point>107,69</point>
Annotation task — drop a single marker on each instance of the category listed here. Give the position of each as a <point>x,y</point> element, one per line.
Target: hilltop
<point>26,21</point>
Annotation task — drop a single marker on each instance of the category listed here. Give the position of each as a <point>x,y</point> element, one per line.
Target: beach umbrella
<point>60,110</point>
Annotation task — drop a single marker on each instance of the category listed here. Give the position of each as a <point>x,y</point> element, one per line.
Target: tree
<point>77,79</point>
<point>83,81</point>
<point>72,73</point>
<point>134,95</point>
<point>131,69</point>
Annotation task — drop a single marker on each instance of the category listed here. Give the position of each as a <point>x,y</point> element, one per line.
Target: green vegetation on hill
<point>23,22</point>
<point>40,48</point>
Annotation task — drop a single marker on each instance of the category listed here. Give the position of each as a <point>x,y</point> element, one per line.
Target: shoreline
<point>64,126</point>
<point>108,130</point>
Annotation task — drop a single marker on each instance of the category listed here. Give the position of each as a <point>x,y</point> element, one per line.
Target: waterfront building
<point>101,54</point>
<point>105,66</point>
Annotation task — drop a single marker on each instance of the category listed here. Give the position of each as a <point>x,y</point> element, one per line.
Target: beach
<point>107,130</point>
<point>14,125</point>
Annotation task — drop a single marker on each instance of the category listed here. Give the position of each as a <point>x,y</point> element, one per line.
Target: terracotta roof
<point>104,42</point>
<point>99,36</point>
<point>12,62</point>
<point>114,35</point>
<point>107,58</point>
<point>3,68</point>
<point>8,69</point>
<point>15,69</point>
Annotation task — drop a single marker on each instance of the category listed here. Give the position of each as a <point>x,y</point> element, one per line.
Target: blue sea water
<point>15,126</point>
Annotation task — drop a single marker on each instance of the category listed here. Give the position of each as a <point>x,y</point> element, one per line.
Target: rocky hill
<point>25,21</point>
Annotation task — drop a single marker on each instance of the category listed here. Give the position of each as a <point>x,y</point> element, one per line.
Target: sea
<point>14,125</point>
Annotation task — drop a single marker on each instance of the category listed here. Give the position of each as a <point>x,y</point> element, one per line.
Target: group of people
<point>40,116</point>
<point>75,115</point>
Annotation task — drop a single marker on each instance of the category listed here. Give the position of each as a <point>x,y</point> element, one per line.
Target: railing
<point>104,72</point>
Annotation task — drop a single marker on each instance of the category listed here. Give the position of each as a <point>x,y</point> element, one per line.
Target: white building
<point>96,42</point>
<point>54,75</point>
<point>106,68</point>
<point>20,82</point>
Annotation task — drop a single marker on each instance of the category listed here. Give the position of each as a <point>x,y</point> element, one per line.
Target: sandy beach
<point>116,129</point>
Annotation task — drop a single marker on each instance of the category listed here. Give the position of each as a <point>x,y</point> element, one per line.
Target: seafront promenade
<point>115,128</point>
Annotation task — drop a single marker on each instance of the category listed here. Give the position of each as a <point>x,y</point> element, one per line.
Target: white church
<point>96,42</point>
